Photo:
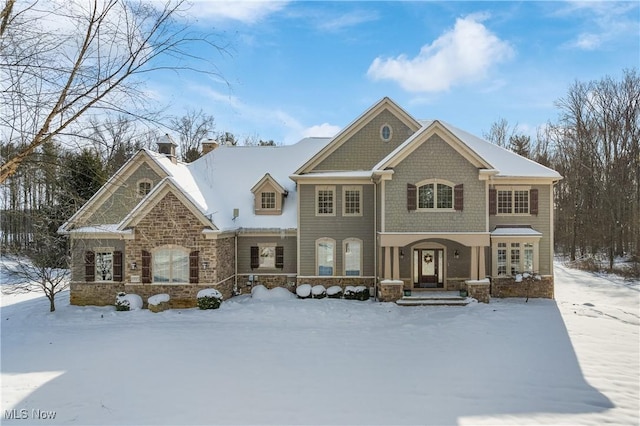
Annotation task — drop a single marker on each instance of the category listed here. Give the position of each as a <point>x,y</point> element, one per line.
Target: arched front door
<point>428,268</point>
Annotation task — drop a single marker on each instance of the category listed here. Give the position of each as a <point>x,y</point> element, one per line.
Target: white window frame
<point>270,194</point>
<point>346,247</point>
<point>525,245</point>
<point>514,207</point>
<point>328,188</point>
<point>435,183</point>
<point>267,261</point>
<point>99,253</point>
<point>172,266</point>
<point>139,184</point>
<point>382,132</point>
<point>326,240</point>
<point>351,188</point>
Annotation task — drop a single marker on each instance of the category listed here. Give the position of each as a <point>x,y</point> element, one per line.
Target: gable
<point>360,145</point>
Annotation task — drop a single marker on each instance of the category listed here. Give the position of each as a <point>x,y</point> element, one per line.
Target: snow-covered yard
<point>275,360</point>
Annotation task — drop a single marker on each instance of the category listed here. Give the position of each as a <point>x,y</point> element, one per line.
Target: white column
<point>387,263</point>
<point>481,263</point>
<point>474,263</point>
<point>396,263</point>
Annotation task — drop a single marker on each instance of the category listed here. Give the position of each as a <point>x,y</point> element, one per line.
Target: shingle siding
<point>435,159</point>
<point>337,227</point>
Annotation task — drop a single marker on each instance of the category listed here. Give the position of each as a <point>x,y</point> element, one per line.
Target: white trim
<point>382,132</point>
<point>317,266</point>
<point>329,188</point>
<point>344,255</point>
<point>435,182</point>
<point>353,188</point>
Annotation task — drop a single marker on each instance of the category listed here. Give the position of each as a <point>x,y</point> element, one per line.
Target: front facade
<point>389,202</point>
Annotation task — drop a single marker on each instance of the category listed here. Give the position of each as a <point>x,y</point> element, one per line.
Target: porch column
<point>481,264</point>
<point>396,263</point>
<point>474,263</point>
<point>386,274</point>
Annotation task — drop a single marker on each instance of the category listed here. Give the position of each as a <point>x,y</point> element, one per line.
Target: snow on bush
<point>128,302</point>
<point>260,292</point>
<point>334,292</point>
<point>209,298</point>
<point>319,292</point>
<point>303,291</point>
<point>356,293</point>
<point>158,299</point>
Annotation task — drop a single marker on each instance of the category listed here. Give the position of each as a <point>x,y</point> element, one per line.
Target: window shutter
<point>493,201</point>
<point>194,261</point>
<point>533,201</point>
<point>412,197</point>
<point>146,267</point>
<point>279,257</point>
<point>458,197</point>
<point>255,257</point>
<point>89,266</point>
<point>117,266</point>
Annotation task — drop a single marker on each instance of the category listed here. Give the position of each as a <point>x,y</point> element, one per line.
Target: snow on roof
<point>100,229</point>
<point>519,232</point>
<point>220,182</point>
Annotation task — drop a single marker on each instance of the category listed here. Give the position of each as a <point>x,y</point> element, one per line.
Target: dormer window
<point>144,187</point>
<point>268,196</point>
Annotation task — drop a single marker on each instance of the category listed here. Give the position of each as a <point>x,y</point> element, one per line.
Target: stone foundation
<point>340,281</point>
<point>529,287</point>
<point>287,281</point>
<point>456,284</point>
<point>479,290</point>
<point>390,290</point>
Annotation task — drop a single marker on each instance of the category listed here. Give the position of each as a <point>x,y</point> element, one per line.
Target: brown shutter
<point>89,266</point>
<point>194,261</point>
<point>533,201</point>
<point>146,267</point>
<point>279,257</point>
<point>458,197</point>
<point>117,266</point>
<point>412,197</point>
<point>493,201</point>
<point>255,257</point>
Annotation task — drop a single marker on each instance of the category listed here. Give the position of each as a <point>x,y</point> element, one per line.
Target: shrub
<point>356,293</point>
<point>334,292</point>
<point>128,302</point>
<point>303,291</point>
<point>318,292</point>
<point>158,302</point>
<point>209,298</point>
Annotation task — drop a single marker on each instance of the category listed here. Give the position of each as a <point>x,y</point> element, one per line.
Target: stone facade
<point>529,287</point>
<point>479,290</point>
<point>269,281</point>
<point>341,281</point>
<point>390,291</point>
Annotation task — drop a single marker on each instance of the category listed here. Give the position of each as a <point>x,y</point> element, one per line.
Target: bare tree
<point>500,133</point>
<point>192,128</point>
<point>58,64</point>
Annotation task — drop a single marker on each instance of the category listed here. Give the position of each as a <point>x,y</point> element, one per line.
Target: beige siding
<point>365,149</point>
<point>541,223</point>
<point>337,227</point>
<point>124,199</point>
<point>244,254</point>
<point>435,159</point>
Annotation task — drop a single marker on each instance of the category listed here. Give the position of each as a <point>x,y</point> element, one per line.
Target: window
<point>513,201</point>
<point>515,257</point>
<point>144,187</point>
<point>352,257</point>
<point>352,201</point>
<point>104,265</point>
<point>435,195</point>
<point>170,265</point>
<point>325,196</point>
<point>267,256</point>
<point>325,256</point>
<point>268,200</point>
<point>386,132</point>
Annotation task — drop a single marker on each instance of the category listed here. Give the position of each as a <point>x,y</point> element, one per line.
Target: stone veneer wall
<point>98,294</point>
<point>507,287</point>
<point>341,281</point>
<point>390,290</point>
<point>270,281</point>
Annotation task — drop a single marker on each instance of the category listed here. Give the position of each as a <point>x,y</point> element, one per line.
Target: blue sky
<point>309,68</point>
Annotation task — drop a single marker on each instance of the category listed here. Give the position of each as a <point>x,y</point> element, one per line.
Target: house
<point>390,202</point>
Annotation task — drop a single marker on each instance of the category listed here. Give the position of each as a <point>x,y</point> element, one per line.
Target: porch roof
<point>515,232</point>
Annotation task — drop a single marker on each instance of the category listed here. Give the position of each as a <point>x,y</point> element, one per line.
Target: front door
<point>428,267</point>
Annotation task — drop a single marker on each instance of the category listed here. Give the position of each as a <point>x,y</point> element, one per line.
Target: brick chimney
<point>208,146</point>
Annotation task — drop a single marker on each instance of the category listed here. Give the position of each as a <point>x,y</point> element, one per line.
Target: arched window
<point>170,265</point>
<point>352,257</point>
<point>435,195</point>
<point>144,187</point>
<point>325,256</point>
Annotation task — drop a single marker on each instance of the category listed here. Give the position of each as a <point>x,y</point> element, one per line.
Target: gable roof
<point>268,178</point>
<point>344,135</point>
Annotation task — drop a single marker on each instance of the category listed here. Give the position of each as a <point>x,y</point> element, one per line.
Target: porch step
<point>440,298</point>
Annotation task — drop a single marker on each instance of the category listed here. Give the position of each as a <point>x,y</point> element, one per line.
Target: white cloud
<point>460,55</point>
<point>346,20</point>
<point>246,11</point>
<point>324,130</point>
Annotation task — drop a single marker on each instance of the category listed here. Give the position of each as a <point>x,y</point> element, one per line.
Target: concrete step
<point>434,299</point>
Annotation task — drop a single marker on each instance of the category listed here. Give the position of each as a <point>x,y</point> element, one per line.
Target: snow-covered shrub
<point>356,293</point>
<point>209,298</point>
<point>260,292</point>
<point>303,291</point>
<point>158,302</point>
<point>128,302</point>
<point>334,292</point>
<point>318,292</point>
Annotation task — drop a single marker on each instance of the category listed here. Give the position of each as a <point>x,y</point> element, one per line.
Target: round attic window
<point>386,132</point>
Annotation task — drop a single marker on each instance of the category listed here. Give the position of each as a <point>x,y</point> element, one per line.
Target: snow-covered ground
<point>280,360</point>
